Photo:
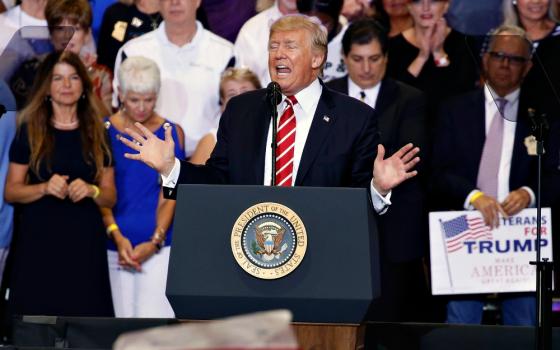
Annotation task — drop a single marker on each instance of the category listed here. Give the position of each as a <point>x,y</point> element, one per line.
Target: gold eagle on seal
<point>269,237</point>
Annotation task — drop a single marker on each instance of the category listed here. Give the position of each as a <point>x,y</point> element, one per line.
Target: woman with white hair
<point>140,224</point>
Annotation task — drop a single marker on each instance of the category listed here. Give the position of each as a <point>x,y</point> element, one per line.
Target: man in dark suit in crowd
<point>324,138</point>
<point>484,158</point>
<point>401,115</point>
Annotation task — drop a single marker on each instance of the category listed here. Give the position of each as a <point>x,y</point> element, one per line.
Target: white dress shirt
<point>371,93</point>
<point>190,78</point>
<point>510,123</point>
<point>304,110</point>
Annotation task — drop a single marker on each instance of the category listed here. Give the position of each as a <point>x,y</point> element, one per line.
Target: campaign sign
<point>467,257</point>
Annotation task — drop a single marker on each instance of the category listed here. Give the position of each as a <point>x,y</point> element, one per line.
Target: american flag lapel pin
<point>326,118</point>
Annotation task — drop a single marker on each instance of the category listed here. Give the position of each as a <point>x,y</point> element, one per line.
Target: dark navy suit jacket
<point>401,111</point>
<point>458,145</point>
<point>339,151</point>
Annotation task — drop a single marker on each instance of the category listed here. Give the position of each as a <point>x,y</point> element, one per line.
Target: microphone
<point>274,93</point>
<point>274,97</point>
<point>538,121</point>
<point>539,125</point>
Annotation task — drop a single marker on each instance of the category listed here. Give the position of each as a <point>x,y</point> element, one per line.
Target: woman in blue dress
<point>140,224</point>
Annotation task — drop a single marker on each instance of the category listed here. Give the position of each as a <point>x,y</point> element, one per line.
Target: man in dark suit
<point>483,158</point>
<point>401,117</point>
<point>324,138</point>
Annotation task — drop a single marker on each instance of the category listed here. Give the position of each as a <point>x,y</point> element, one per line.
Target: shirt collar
<point>309,97</point>
<point>160,32</point>
<point>354,89</point>
<point>490,95</point>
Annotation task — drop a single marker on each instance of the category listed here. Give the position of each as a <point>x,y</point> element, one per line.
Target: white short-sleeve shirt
<point>251,46</point>
<point>190,78</point>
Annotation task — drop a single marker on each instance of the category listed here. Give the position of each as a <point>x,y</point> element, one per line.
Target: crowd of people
<point>423,115</point>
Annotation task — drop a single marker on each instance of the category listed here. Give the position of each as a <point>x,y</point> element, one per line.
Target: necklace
<point>65,126</point>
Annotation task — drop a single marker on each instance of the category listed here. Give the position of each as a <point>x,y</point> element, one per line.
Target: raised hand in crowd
<point>439,33</point>
<point>390,172</point>
<point>424,42</point>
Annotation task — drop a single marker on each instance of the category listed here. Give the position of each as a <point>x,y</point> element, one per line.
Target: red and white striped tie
<point>286,140</point>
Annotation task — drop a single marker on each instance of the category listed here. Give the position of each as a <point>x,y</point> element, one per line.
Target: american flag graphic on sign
<point>461,229</point>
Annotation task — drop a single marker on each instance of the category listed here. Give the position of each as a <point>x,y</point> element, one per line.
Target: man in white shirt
<point>483,159</point>
<point>191,60</point>
<point>331,139</point>
<point>29,13</point>
<point>251,45</point>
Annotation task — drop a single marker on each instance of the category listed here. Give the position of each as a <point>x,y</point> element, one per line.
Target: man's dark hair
<point>332,8</point>
<point>362,32</point>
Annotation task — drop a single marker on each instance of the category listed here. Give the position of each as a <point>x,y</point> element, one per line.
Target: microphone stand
<point>274,101</point>
<point>544,267</point>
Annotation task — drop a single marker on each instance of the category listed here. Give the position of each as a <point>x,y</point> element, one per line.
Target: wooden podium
<point>330,336</point>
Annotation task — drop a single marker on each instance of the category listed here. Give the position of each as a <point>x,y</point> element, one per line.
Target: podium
<point>334,283</point>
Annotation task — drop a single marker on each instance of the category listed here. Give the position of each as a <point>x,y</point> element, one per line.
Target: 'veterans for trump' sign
<point>467,257</point>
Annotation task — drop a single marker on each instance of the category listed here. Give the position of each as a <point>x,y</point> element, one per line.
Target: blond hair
<point>317,32</point>
<point>511,13</point>
<point>238,74</point>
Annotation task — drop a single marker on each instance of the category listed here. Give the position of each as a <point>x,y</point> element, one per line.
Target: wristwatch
<point>442,61</point>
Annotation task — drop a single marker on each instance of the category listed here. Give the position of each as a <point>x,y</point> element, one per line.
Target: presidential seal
<point>268,240</point>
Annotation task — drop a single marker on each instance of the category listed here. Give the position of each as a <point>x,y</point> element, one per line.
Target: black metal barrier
<point>422,336</point>
<point>100,333</point>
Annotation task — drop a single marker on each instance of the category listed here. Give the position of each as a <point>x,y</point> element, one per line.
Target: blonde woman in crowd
<point>140,224</point>
<point>234,81</point>
<point>535,16</point>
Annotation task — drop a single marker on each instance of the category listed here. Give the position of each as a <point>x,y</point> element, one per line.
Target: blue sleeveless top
<point>138,187</point>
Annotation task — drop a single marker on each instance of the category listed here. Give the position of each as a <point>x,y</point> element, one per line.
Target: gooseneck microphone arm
<point>274,97</point>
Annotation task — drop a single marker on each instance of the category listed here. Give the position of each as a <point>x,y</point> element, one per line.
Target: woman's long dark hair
<point>38,113</point>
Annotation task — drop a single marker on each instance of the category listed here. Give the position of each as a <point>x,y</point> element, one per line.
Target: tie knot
<point>291,100</point>
<point>501,102</point>
<point>362,95</point>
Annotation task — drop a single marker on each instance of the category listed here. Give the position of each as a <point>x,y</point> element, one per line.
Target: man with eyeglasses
<point>481,159</point>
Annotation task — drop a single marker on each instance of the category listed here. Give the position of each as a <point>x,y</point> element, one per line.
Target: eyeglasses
<point>512,59</point>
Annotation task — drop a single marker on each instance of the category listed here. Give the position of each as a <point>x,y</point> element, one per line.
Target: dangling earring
<point>514,2</point>
<point>83,97</point>
<point>47,99</point>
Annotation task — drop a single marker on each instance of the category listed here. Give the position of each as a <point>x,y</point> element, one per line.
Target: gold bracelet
<point>111,228</point>
<point>476,196</point>
<point>158,238</point>
<point>96,191</point>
